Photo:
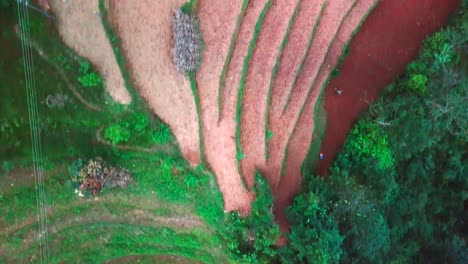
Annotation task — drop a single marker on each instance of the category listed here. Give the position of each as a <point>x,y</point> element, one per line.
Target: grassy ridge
<point>320,116</point>
<point>222,78</point>
<point>240,95</point>
<point>301,65</point>
<point>268,133</point>
<point>193,87</point>
<point>283,163</point>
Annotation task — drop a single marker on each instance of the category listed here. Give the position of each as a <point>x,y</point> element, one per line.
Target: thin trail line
<point>31,95</point>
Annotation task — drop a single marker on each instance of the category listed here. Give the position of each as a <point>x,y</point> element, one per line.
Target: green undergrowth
<point>69,133</point>
<point>222,78</point>
<point>240,95</point>
<point>320,116</point>
<point>103,241</point>
<point>304,57</point>
<point>268,133</point>
<point>283,163</point>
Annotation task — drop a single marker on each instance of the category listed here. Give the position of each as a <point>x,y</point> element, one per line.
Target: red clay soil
<point>282,124</point>
<point>302,135</point>
<point>254,105</point>
<point>387,42</point>
<point>219,137</point>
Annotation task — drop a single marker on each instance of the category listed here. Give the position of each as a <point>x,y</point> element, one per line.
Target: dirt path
<point>254,104</point>
<point>80,26</point>
<point>375,59</point>
<point>282,124</point>
<point>300,140</point>
<point>35,46</point>
<point>144,28</point>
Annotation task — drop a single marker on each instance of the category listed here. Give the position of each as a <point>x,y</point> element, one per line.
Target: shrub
<point>90,80</point>
<point>117,134</point>
<point>369,141</point>
<point>417,83</point>
<point>187,42</point>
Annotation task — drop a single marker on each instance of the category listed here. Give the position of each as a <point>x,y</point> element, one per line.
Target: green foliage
<point>314,235</point>
<point>251,239</point>
<point>7,166</point>
<point>417,84</point>
<point>88,77</point>
<point>369,141</point>
<point>162,135</point>
<point>190,7</point>
<point>117,134</point>
<point>90,80</point>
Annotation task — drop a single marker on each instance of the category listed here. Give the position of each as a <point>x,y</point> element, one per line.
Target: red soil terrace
<point>389,39</point>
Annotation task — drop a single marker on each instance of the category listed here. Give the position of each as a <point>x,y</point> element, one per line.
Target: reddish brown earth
<point>301,138</point>
<point>387,42</point>
<point>257,82</point>
<point>282,124</point>
<point>219,137</point>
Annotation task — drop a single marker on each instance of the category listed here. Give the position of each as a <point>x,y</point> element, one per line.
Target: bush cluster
<point>187,42</point>
<point>96,174</point>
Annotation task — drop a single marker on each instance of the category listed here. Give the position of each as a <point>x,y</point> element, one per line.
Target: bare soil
<point>254,105</point>
<point>145,29</point>
<point>219,136</point>
<point>80,27</point>
<point>282,124</point>
<point>301,138</point>
<point>375,60</point>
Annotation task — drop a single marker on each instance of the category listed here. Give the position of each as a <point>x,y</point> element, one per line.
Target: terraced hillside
<point>254,101</point>
<point>259,75</point>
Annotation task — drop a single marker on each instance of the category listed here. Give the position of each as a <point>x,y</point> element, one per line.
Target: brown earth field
<point>388,40</point>
<point>145,31</point>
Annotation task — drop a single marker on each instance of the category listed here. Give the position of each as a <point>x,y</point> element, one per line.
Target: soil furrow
<point>219,137</point>
<point>254,103</point>
<point>282,125</point>
<point>234,35</point>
